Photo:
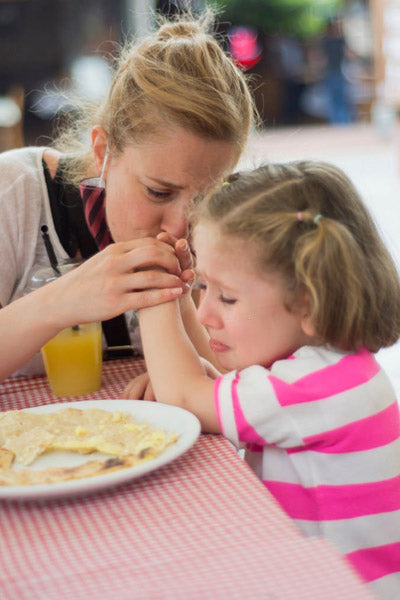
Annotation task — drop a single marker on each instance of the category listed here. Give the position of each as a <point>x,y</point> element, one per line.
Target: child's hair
<point>177,75</point>
<point>309,224</point>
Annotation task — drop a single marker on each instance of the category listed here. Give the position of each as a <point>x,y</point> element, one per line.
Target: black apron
<point>70,224</point>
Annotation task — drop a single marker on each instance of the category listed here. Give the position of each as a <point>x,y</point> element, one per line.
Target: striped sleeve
<point>249,412</point>
<point>320,400</point>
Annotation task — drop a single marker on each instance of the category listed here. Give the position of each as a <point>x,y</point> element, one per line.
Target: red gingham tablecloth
<point>202,527</point>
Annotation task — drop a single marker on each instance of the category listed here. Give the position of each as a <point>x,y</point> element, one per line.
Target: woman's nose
<point>175,221</point>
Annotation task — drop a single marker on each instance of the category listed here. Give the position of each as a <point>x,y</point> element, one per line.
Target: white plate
<point>163,416</point>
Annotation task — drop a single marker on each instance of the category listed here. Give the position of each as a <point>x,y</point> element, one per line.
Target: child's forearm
<point>175,369</point>
<point>196,332</point>
<point>168,352</point>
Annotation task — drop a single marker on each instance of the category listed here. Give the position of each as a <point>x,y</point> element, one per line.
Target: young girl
<point>298,292</point>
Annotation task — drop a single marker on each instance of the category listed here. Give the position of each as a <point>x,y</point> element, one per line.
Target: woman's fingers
<point>151,279</point>
<point>138,300</point>
<point>141,242</point>
<point>146,256</point>
<point>92,293</point>
<point>106,308</point>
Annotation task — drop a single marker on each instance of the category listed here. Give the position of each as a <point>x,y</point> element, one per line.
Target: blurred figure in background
<point>290,66</point>
<point>334,48</point>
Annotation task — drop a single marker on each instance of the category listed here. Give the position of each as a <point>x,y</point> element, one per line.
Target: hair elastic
<point>317,218</point>
<point>300,217</point>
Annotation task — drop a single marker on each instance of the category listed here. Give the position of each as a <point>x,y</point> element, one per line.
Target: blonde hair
<point>178,75</point>
<point>336,260</point>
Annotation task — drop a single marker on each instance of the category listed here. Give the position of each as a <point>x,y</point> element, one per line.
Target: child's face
<point>242,310</point>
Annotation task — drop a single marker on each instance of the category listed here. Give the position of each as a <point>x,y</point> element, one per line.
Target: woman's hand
<point>123,276</point>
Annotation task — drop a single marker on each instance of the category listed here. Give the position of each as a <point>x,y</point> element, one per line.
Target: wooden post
<point>386,28</point>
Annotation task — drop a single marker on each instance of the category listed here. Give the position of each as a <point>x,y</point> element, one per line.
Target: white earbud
<point>103,168</point>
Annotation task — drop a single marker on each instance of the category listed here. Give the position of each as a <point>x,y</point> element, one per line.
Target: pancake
<point>25,436</point>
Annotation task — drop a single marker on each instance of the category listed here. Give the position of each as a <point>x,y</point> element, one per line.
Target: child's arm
<point>196,332</point>
<point>176,372</point>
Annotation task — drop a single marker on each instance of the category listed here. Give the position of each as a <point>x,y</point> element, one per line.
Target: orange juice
<point>73,360</point>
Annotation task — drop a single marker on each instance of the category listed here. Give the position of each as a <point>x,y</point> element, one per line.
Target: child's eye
<point>199,285</point>
<point>226,300</point>
<point>159,195</point>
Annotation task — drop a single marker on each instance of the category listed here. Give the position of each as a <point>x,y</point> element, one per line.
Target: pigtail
<point>327,267</point>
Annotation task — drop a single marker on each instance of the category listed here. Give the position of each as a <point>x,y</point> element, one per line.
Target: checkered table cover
<point>202,527</point>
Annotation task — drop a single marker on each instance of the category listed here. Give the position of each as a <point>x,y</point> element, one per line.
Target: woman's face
<point>151,185</point>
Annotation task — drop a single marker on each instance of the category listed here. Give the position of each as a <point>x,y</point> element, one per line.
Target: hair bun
<point>174,30</point>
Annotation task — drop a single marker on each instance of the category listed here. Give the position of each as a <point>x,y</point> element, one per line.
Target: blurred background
<point>325,75</point>
<point>310,61</point>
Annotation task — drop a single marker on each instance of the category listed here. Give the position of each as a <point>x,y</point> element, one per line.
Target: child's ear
<point>307,326</point>
<point>305,322</point>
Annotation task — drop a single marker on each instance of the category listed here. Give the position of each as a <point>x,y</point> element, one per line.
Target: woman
<point>173,126</point>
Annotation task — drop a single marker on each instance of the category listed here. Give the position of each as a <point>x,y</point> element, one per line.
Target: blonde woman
<point>298,293</point>
<point>173,126</point>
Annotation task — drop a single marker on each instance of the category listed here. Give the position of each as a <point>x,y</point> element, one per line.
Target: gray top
<point>24,208</point>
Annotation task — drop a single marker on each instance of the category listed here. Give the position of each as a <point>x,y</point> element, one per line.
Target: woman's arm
<point>176,372</point>
<point>24,328</point>
<point>106,285</point>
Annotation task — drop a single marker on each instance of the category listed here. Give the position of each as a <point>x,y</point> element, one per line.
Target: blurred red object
<point>244,47</point>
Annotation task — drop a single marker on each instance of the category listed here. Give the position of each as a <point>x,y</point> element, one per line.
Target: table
<point>202,527</point>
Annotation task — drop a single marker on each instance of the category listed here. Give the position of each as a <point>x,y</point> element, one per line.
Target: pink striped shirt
<point>322,431</point>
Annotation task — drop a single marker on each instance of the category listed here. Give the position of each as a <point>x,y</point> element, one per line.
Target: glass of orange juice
<point>73,360</point>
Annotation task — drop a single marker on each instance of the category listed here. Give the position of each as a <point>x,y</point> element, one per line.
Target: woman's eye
<point>159,195</point>
<point>226,300</point>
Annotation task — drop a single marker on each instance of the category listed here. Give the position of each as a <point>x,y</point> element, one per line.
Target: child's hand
<point>183,254</point>
<point>139,388</point>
